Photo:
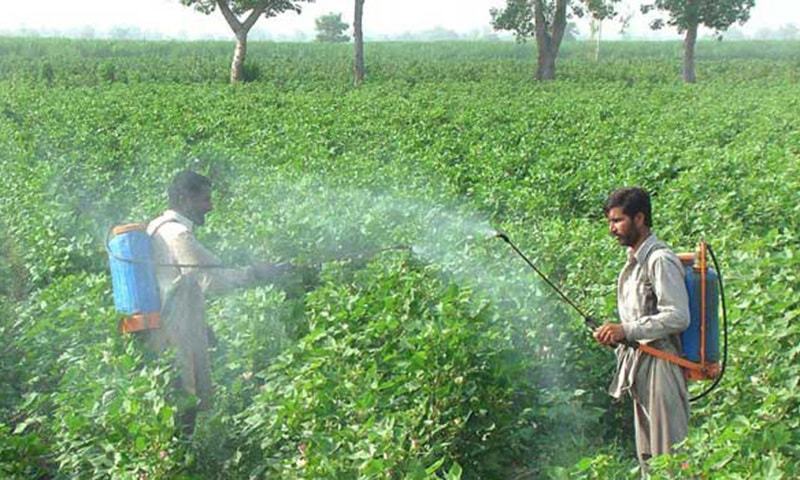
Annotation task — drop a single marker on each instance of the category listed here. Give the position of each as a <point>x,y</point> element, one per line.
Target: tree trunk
<point>546,67</point>
<point>688,53</point>
<point>548,43</point>
<point>240,29</point>
<point>358,40</point>
<point>239,53</point>
<point>597,43</point>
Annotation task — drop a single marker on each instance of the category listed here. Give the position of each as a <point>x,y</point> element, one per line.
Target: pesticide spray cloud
<point>308,220</point>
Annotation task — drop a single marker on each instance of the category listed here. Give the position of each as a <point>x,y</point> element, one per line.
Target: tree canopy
<point>331,28</point>
<point>518,16</point>
<point>715,14</point>
<point>269,8</point>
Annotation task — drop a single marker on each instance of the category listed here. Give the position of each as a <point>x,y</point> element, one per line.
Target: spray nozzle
<point>500,234</point>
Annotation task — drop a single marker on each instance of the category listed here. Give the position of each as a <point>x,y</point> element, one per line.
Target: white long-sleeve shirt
<point>175,243</point>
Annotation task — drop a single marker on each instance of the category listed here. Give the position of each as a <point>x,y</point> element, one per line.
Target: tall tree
<point>358,45</point>
<point>241,15</point>
<point>546,20</point>
<point>688,15</point>
<point>330,28</point>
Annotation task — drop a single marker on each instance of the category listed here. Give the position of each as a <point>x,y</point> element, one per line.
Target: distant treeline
<point>299,65</point>
<point>132,32</point>
<point>789,31</point>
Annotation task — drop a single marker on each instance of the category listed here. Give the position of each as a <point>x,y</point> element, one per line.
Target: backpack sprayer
<point>700,341</point>
<point>133,276</point>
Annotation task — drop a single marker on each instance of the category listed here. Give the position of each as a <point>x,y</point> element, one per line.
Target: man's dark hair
<point>187,184</point>
<point>632,200</point>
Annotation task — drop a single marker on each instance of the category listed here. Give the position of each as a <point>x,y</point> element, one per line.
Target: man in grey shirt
<point>653,307</point>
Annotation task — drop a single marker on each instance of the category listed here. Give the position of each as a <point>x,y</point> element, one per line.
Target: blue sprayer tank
<point>691,338</point>
<point>133,277</point>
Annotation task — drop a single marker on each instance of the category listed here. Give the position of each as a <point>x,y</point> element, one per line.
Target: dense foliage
<point>445,360</point>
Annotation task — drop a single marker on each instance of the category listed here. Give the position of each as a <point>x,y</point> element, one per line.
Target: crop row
<point>85,63</point>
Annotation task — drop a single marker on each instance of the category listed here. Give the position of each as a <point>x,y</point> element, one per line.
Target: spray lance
<point>133,274</point>
<point>590,321</point>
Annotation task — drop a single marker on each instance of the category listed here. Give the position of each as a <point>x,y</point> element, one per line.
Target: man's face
<point>197,206</point>
<point>623,227</point>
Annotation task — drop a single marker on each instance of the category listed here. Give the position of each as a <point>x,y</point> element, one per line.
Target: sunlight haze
<point>382,18</point>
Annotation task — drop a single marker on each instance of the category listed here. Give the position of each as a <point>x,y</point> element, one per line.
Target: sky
<point>381,17</point>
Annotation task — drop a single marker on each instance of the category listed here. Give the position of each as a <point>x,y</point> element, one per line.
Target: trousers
<point>660,407</point>
<point>184,330</point>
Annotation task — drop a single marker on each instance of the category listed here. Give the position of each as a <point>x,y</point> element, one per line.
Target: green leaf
<point>455,472</point>
<point>435,466</point>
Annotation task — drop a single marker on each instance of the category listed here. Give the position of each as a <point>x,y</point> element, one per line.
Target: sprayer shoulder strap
<point>651,299</point>
<point>647,268</point>
<point>161,224</point>
<point>179,266</point>
<point>154,233</point>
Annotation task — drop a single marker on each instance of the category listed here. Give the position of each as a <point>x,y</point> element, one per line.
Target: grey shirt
<point>651,293</point>
<point>653,306</point>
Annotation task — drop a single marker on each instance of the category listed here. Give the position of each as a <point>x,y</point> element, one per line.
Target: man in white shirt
<point>186,272</point>
<point>653,307</point>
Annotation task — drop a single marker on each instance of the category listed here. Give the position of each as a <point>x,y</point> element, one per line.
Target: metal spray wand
<point>591,322</point>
